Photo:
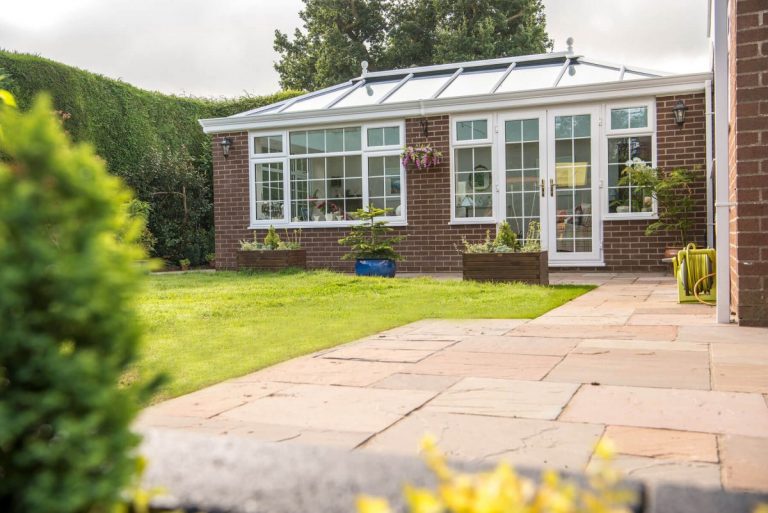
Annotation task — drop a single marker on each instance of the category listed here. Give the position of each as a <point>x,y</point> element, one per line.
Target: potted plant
<point>211,259</point>
<point>504,259</point>
<point>372,245</point>
<point>423,157</point>
<point>184,264</point>
<point>273,253</point>
<point>673,194</point>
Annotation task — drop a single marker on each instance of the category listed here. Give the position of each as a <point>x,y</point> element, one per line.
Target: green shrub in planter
<point>68,331</point>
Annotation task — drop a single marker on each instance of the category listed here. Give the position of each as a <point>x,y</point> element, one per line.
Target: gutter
<point>722,205</point>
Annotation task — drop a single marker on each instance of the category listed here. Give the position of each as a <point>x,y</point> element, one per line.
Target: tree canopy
<point>339,34</point>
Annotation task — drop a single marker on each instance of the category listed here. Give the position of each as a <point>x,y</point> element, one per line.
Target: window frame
<point>624,133</point>
<point>285,157</point>
<point>266,133</point>
<point>400,124</point>
<point>474,143</point>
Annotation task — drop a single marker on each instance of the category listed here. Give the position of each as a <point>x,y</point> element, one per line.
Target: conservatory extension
<point>541,138</point>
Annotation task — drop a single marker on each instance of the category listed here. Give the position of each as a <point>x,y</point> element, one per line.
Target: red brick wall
<point>625,246</point>
<point>230,198</point>
<point>431,242</point>
<point>748,160</point>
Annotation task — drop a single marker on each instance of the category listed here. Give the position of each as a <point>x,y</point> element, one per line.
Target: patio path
<point>685,400</point>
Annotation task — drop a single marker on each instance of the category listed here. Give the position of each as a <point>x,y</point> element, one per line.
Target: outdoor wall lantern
<point>225,143</point>
<point>679,112</point>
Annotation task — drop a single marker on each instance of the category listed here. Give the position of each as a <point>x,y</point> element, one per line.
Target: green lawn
<point>203,328</point>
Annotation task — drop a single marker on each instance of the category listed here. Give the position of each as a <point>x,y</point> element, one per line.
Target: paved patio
<point>684,399</point>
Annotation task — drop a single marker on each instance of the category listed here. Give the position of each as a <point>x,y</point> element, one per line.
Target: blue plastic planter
<point>375,267</point>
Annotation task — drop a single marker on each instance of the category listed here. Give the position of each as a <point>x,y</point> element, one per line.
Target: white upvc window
<point>630,139</point>
<point>321,176</point>
<point>472,170</point>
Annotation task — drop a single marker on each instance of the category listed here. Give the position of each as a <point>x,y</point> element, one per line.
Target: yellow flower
<point>605,449</point>
<point>422,501</point>
<point>7,98</point>
<point>367,504</point>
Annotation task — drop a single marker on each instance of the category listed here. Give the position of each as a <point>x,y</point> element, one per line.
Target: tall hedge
<point>68,330</point>
<point>143,136</point>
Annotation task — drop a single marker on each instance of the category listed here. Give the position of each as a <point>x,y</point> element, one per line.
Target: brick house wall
<point>748,160</point>
<point>625,245</point>
<point>431,243</point>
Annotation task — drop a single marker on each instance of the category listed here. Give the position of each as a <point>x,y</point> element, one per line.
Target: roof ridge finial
<point>364,66</point>
<point>569,42</point>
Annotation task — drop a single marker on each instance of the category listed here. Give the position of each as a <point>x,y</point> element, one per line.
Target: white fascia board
<point>678,84</point>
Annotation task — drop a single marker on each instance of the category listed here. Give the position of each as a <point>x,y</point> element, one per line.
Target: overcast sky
<point>224,48</point>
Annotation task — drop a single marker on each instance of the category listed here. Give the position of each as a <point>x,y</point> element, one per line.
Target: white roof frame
<point>674,84</point>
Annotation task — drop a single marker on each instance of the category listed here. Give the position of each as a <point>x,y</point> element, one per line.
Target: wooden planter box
<point>272,260</point>
<point>523,267</point>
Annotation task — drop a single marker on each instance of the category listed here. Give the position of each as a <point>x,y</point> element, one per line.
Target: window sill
<point>321,224</point>
<point>477,220</point>
<point>642,216</point>
<point>577,263</point>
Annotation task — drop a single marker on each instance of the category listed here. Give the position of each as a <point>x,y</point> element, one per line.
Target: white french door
<point>523,156</point>
<point>573,212</point>
<point>548,162</point>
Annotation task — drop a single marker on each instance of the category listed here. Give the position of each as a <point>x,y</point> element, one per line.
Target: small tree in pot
<point>372,245</point>
<point>673,194</point>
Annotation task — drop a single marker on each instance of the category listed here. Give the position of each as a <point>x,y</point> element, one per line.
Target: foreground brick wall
<point>748,160</point>
<point>431,242</point>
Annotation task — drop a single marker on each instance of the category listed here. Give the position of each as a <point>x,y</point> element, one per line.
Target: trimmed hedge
<point>129,127</point>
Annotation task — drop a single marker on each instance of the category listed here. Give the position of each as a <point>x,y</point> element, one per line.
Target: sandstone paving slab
<point>635,367</point>
<point>579,320</point>
<point>151,418</point>
<point>521,442</point>
<point>515,345</point>
<point>375,354</point>
<point>744,462</point>
<point>575,309</point>
<point>684,410</point>
<point>403,381</point>
<point>661,471</point>
<point>321,371</point>
<point>666,444</point>
<point>652,345</point>
<point>462,327</point>
<point>610,332</point>
<point>672,307</point>
<point>741,367</point>
<point>504,398</point>
<point>415,343</point>
<point>740,377</point>
<point>708,332</point>
<point>486,365</point>
<point>216,399</point>
<point>333,408</point>
<point>281,433</point>
<point>672,319</point>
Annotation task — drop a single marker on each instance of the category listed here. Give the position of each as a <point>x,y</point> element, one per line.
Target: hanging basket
<point>420,157</point>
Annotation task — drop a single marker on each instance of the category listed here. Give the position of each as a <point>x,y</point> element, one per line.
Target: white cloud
<point>225,48</point>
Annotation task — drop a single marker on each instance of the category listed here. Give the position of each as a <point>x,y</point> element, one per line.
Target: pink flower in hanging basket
<point>423,157</point>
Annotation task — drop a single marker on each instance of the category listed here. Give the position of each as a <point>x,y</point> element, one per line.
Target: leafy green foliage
<point>272,239</point>
<point>371,239</point>
<point>339,34</point>
<point>673,193</point>
<point>151,140</point>
<point>532,238</point>
<point>244,322</point>
<point>68,330</point>
<point>505,236</point>
<point>141,210</point>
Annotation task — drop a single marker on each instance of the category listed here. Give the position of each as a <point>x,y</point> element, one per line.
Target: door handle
<point>543,188</point>
<point>552,186</point>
